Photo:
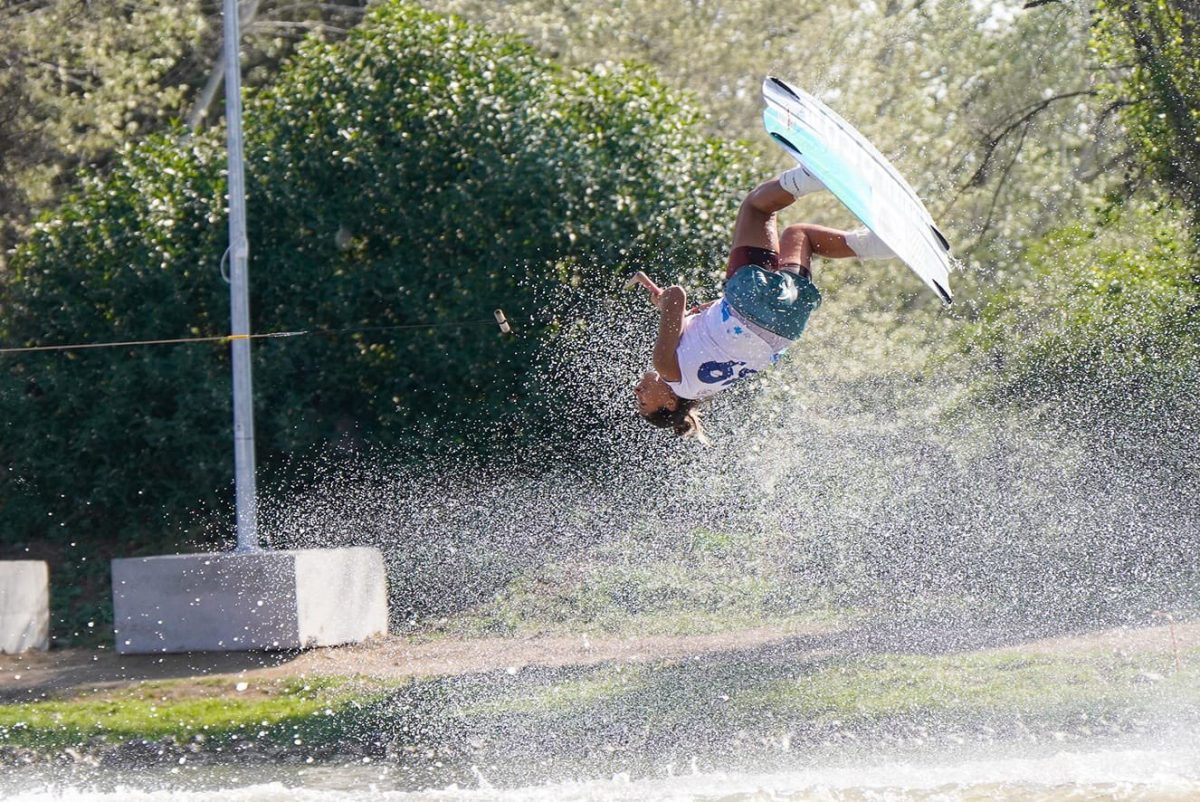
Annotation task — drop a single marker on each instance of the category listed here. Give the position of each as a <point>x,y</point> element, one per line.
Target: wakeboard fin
<point>783,85</point>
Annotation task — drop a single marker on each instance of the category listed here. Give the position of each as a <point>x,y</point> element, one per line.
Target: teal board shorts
<point>779,301</point>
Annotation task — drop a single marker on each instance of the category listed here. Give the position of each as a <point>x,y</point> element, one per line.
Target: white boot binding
<point>866,244</point>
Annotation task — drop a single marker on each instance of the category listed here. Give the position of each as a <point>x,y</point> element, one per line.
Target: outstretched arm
<point>640,279</point>
<point>672,303</point>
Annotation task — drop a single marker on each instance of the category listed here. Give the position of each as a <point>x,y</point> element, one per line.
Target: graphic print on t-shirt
<point>723,373</point>
<point>716,349</point>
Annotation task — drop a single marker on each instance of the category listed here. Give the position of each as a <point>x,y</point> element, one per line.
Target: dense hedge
<point>420,170</point>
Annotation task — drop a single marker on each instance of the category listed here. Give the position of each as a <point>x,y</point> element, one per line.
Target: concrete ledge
<point>24,606</point>
<point>250,601</point>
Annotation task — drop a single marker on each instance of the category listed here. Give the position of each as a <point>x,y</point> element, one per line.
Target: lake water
<point>1153,775</point>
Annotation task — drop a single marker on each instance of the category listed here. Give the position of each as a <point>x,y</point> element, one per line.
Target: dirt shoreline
<point>64,672</point>
<point>68,672</point>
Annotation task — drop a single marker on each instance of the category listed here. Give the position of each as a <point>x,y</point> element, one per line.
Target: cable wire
<point>228,338</point>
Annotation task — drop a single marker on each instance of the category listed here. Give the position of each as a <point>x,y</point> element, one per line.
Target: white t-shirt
<point>717,348</point>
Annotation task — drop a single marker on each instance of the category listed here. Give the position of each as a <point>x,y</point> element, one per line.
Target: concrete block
<point>248,601</point>
<point>24,606</point>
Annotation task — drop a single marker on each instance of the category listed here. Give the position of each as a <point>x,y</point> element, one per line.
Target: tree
<point>418,171</point>
<point>78,79</point>
<point>1154,50</point>
<point>1110,330</point>
<point>987,110</point>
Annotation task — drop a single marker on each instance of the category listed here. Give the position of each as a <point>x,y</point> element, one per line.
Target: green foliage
<point>1109,323</point>
<point>98,444</point>
<point>461,173</point>
<point>1154,48</point>
<point>90,75</point>
<point>79,79</point>
<point>420,170</point>
<point>983,107</point>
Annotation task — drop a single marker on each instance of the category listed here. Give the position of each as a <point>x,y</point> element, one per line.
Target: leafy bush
<point>1109,326</point>
<point>421,170</point>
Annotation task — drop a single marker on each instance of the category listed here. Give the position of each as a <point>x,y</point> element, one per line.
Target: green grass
<point>811,686</point>
<point>718,584</point>
<point>213,710</point>
<point>578,694</point>
<point>669,623</point>
<point>1005,684</point>
<point>862,691</point>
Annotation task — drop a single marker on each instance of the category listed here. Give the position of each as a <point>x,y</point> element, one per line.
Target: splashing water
<point>852,492</point>
<point>1117,775</point>
<point>883,497</point>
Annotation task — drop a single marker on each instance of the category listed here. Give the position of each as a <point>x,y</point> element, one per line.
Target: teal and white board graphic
<point>861,178</point>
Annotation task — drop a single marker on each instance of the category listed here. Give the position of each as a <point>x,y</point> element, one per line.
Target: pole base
<point>264,600</point>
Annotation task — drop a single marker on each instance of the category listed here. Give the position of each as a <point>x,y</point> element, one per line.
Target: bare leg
<point>756,225</point>
<point>756,230</point>
<point>827,242</point>
<point>796,248</point>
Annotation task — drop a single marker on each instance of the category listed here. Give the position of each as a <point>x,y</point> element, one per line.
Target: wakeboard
<point>861,178</point>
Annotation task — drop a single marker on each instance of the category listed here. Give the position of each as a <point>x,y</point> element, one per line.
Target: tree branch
<point>991,214</point>
<point>288,25</point>
<point>994,138</point>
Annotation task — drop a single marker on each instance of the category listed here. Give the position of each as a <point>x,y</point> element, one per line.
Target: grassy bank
<point>213,713</point>
<point>755,704</point>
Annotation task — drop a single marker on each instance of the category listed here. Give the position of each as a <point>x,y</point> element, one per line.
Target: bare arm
<point>671,303</point>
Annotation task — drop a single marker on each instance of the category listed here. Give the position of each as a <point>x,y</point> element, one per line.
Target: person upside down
<point>768,297</point>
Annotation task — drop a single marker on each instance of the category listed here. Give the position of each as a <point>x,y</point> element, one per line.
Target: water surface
<point>1138,773</point>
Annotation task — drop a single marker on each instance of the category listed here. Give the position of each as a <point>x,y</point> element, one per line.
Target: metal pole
<point>239,300</point>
